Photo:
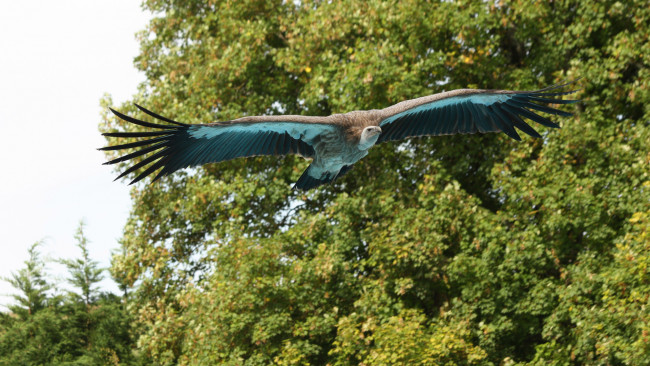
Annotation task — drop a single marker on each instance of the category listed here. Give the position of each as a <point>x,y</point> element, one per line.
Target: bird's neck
<point>366,143</point>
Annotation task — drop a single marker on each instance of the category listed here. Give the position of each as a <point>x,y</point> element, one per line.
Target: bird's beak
<point>378,130</point>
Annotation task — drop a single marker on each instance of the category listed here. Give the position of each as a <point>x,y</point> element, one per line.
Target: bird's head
<point>369,136</point>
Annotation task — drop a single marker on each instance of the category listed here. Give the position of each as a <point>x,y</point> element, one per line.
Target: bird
<point>335,142</point>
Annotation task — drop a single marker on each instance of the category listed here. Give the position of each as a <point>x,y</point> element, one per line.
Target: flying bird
<point>336,142</point>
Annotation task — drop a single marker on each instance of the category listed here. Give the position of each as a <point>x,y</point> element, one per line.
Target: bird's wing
<point>181,145</point>
<point>471,111</point>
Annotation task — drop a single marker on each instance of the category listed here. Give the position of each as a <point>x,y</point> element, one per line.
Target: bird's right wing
<point>181,145</point>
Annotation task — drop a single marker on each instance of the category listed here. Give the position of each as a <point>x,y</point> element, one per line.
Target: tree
<point>84,272</point>
<point>98,320</point>
<point>458,250</point>
<point>31,284</point>
<point>32,332</point>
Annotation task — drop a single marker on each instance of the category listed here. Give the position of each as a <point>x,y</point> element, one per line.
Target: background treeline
<point>450,250</point>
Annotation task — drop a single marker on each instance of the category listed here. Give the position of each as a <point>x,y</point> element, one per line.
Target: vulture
<point>336,142</point>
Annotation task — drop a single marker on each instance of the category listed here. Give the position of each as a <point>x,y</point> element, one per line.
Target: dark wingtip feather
<point>532,116</point>
<point>144,162</point>
<point>162,173</point>
<point>539,107</point>
<point>152,168</point>
<point>155,115</point>
<point>552,101</point>
<point>512,133</point>
<point>515,120</point>
<point>138,134</point>
<point>555,93</point>
<point>139,122</point>
<point>136,144</point>
<point>559,85</point>
<point>139,152</point>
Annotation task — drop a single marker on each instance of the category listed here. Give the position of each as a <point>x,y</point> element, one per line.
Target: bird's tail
<point>308,181</point>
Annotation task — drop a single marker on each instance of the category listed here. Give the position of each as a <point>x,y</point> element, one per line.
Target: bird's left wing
<point>181,145</point>
<point>471,111</point>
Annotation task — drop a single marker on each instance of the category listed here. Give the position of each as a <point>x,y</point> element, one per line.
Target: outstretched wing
<point>181,145</point>
<point>471,111</point>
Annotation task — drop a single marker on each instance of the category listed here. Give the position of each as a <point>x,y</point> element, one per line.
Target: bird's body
<point>337,141</point>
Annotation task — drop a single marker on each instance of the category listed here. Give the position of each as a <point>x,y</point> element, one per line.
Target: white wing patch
<point>484,99</point>
<point>306,132</point>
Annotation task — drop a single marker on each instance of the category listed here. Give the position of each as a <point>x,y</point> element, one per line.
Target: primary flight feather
<point>336,142</point>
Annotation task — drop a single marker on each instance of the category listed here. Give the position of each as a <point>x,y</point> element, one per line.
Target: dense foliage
<point>87,327</point>
<point>450,250</point>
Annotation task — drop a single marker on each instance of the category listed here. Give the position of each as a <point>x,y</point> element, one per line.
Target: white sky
<point>57,59</point>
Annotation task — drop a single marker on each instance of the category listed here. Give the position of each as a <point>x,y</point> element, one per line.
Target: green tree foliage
<point>31,285</point>
<point>84,272</point>
<point>450,250</point>
<point>45,329</point>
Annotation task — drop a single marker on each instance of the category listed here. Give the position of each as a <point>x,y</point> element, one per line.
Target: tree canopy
<point>470,249</point>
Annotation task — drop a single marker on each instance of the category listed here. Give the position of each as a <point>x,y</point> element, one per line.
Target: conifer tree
<point>31,284</point>
<point>85,273</point>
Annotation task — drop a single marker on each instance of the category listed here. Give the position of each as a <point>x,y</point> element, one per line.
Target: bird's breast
<point>336,148</point>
